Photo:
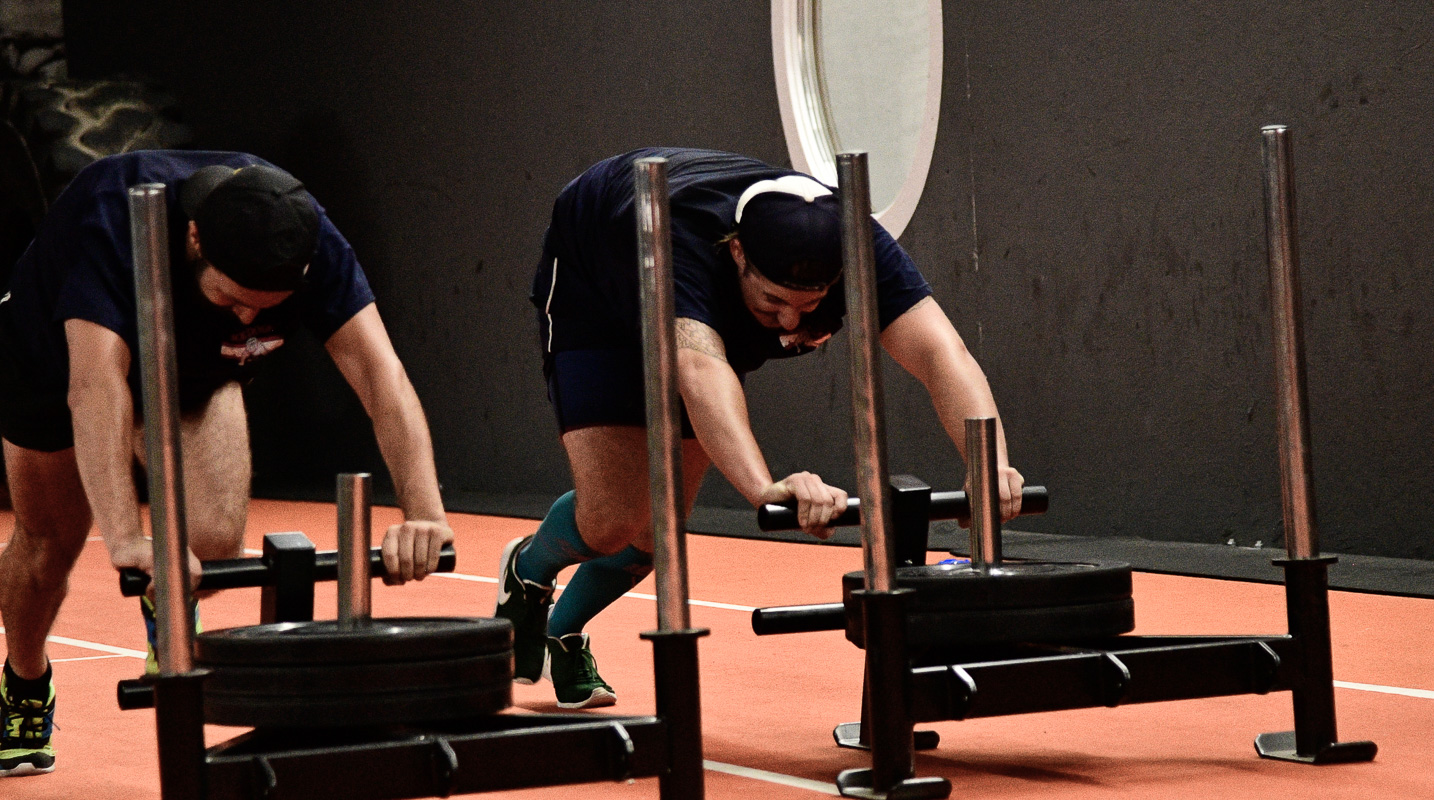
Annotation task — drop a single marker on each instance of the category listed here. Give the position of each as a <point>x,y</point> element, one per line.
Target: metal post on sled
<point>1314,738</point>
<point>355,523</point>
<point>985,493</point>
<point>178,704</point>
<point>883,604</point>
<point>674,643</point>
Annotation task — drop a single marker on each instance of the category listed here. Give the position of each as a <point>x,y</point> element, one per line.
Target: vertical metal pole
<point>1314,739</point>
<point>869,418</point>
<point>664,426</point>
<point>674,643</point>
<point>985,495</point>
<point>355,524</point>
<point>1301,534</point>
<point>149,232</point>
<point>883,605</point>
<point>179,716</point>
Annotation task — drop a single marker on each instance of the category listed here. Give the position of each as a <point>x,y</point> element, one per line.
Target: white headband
<point>807,188</point>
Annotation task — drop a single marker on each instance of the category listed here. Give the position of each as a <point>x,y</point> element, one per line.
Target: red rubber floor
<point>769,704</point>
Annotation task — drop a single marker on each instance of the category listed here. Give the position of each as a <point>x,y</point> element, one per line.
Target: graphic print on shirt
<point>804,338</point>
<point>252,342</point>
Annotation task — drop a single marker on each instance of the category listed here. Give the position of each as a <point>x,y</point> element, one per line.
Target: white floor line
<point>703,603</point>
<point>772,777</point>
<point>1363,687</point>
<point>1423,694</point>
<point>83,658</point>
<point>458,576</point>
<point>1371,687</point>
<point>103,648</point>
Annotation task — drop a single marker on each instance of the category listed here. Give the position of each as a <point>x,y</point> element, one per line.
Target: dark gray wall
<point>1123,289</point>
<point>1114,286</point>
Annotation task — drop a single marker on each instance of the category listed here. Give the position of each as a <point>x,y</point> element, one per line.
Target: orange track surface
<point>770,704</point>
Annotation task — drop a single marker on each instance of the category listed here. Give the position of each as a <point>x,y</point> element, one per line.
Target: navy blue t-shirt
<point>590,298</point>
<point>80,266</point>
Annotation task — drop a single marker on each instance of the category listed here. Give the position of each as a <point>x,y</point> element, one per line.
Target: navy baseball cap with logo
<point>256,224</point>
<point>790,230</point>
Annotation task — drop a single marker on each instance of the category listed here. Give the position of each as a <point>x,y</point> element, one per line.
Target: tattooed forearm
<point>693,335</point>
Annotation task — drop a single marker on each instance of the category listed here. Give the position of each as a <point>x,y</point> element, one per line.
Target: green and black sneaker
<point>151,633</point>
<point>25,738</point>
<point>526,605</point>
<point>574,673</point>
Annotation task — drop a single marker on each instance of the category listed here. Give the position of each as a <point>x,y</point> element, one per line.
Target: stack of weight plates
<point>1026,601</point>
<point>396,671</point>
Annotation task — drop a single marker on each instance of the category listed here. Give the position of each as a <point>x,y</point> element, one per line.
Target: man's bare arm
<point>924,342</point>
<point>365,356</point>
<point>694,335</point>
<point>102,411</point>
<point>718,410</point>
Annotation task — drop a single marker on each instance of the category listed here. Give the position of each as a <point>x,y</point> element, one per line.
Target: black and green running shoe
<point>526,605</point>
<point>574,673</point>
<point>151,632</point>
<point>25,747</point>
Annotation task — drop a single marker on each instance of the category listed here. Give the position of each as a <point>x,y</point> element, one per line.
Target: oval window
<point>861,75</point>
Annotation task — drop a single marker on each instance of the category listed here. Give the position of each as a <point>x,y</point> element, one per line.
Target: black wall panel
<point>1092,222</point>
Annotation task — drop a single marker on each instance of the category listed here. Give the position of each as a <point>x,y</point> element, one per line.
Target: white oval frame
<point>807,123</point>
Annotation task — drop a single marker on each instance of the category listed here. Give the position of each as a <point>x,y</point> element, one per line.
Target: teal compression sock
<point>595,586</point>
<point>556,545</point>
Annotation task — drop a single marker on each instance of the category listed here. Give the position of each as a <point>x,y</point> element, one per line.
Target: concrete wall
<point>1092,222</point>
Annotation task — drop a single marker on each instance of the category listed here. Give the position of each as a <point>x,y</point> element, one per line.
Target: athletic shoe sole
<point>503,562</point>
<point>25,769</point>
<point>546,676</point>
<point>600,698</point>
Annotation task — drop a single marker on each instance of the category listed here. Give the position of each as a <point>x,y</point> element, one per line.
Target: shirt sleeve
<point>337,287</point>
<point>899,284</point>
<point>694,295</point>
<point>99,277</point>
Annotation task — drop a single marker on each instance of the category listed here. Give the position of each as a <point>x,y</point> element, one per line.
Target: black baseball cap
<point>256,224</point>
<point>790,230</point>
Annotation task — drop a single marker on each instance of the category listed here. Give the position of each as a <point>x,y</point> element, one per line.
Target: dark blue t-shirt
<point>590,298</point>
<point>80,266</point>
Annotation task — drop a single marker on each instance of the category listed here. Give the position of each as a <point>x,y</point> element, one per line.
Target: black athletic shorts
<point>31,417</point>
<point>38,418</point>
<point>600,387</point>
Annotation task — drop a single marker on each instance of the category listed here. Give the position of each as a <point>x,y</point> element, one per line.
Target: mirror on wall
<point>861,75</point>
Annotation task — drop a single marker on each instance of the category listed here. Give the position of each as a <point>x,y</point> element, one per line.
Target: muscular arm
<point>102,411</point>
<point>365,356</point>
<point>718,410</point>
<point>924,343</point>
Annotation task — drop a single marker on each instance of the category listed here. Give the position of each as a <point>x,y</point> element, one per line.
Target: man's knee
<point>212,548</point>
<point>47,555</point>
<point>608,528</point>
<point>217,533</point>
<point>217,475</point>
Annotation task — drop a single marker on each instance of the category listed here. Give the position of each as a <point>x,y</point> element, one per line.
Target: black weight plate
<point>1010,585</point>
<point>1016,601</point>
<point>350,679</point>
<point>249,709</point>
<point>379,640</point>
<point>938,628</point>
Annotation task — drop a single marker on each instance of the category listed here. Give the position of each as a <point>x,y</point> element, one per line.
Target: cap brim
<point>198,186</point>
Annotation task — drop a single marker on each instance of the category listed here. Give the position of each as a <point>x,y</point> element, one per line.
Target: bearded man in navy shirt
<point>255,257</point>
<point>757,275</point>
